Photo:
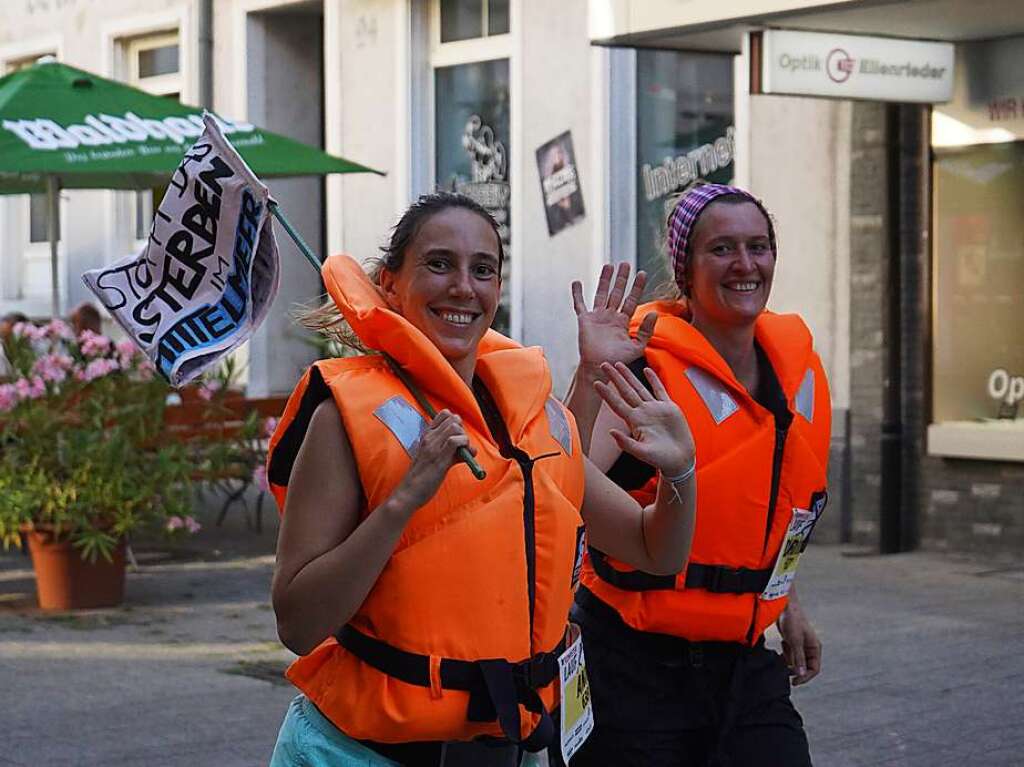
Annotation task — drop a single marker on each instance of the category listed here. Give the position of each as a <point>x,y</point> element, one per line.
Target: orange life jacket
<point>460,635</point>
<point>752,472</point>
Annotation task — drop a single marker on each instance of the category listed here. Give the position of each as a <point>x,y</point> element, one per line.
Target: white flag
<point>209,273</point>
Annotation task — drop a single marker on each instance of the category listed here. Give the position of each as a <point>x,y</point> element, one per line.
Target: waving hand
<point>604,328</point>
<point>659,434</point>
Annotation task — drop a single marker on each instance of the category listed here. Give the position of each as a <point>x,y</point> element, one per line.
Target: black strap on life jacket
<point>717,579</point>
<point>287,450</point>
<point>496,687</point>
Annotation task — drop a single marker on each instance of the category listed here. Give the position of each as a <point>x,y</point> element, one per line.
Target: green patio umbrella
<point>65,128</point>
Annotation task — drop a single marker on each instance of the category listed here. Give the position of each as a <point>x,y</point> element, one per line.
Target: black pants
<point>671,703</point>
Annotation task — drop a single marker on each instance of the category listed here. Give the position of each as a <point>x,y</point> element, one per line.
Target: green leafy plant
<point>81,453</point>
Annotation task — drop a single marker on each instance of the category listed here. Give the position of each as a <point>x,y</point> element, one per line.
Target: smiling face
<point>448,285</point>
<point>731,265</point>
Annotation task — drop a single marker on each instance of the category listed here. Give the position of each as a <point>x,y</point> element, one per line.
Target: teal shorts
<point>308,739</point>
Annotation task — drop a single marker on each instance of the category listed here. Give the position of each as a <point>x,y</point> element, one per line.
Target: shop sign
<point>851,66</point>
<point>1007,389</point>
<point>678,171</point>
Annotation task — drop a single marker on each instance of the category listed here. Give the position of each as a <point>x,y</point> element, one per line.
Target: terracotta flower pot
<point>65,581</point>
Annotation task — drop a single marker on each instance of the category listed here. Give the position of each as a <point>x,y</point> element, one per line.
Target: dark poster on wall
<point>560,183</point>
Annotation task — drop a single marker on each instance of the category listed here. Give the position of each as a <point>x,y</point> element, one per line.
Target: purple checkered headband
<point>683,219</point>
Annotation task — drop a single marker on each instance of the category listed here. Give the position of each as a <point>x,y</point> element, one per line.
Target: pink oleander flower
<point>207,389</point>
<point>269,426</point>
<point>97,369</point>
<point>146,370</point>
<point>93,344</point>
<point>59,329</point>
<point>259,477</point>
<point>8,397</point>
<point>182,523</point>
<point>126,346</point>
<point>53,367</point>
<point>126,351</point>
<point>28,330</point>
<point>33,388</point>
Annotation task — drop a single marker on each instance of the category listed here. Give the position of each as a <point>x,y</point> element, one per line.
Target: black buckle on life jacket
<point>496,686</point>
<point>720,579</point>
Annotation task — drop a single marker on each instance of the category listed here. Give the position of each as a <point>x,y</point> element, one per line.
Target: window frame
<point>473,50</point>
<point>485,18</point>
<point>161,85</point>
<point>965,438</point>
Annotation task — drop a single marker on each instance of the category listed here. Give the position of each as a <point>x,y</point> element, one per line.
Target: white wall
<point>799,166</point>
<point>555,62</point>
<point>364,42</point>
<point>285,95</point>
<point>613,18</point>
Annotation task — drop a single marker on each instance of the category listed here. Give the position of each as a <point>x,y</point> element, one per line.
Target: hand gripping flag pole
<point>463,452</point>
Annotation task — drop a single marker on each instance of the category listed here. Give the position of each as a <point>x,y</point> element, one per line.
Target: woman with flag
<point>427,594</point>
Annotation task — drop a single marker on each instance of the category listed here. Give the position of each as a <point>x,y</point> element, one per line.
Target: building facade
<point>927,260</point>
<point>574,123</point>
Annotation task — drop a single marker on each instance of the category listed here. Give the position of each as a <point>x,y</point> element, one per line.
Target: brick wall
<point>869,244</point>
<point>973,506</point>
<point>833,525</point>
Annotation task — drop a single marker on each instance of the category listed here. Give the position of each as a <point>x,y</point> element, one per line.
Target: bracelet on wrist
<point>680,478</point>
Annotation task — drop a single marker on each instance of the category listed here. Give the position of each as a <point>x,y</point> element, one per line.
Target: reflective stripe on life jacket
<point>459,636</point>
<point>753,470</point>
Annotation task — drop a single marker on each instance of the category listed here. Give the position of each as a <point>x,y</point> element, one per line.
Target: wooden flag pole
<point>463,452</point>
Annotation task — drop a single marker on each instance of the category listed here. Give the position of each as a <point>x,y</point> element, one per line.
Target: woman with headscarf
<point>678,666</point>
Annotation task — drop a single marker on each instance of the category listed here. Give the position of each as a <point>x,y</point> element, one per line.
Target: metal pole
<point>296,237</point>
<point>204,33</point>
<point>463,452</point>
<point>53,232</point>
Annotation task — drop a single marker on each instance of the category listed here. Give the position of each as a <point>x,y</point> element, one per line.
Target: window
<point>684,114</point>
<point>978,258</point>
<point>472,153</point>
<point>470,49</point>
<point>468,19</point>
<point>158,60</point>
<point>978,346</point>
<point>152,64</point>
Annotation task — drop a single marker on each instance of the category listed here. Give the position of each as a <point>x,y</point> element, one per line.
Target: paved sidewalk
<point>923,664</point>
<point>923,661</point>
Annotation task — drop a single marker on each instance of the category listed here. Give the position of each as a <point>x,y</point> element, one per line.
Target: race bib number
<point>577,712</point>
<point>789,556</point>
